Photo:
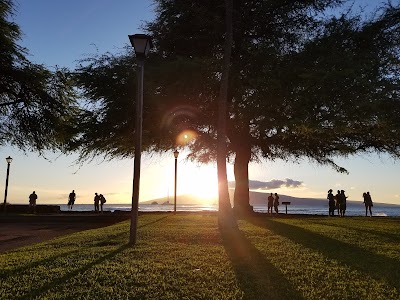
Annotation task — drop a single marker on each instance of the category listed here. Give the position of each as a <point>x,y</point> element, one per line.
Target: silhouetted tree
<point>37,106</point>
<point>225,208</point>
<point>303,84</point>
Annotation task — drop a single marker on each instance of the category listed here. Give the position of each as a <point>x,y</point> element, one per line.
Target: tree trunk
<point>225,216</point>
<point>241,171</point>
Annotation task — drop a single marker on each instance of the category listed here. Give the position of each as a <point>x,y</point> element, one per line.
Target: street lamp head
<point>141,43</point>
<point>176,153</point>
<point>9,159</point>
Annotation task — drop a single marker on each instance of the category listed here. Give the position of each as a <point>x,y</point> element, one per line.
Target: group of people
<point>338,202</point>
<point>99,201</point>
<point>273,202</point>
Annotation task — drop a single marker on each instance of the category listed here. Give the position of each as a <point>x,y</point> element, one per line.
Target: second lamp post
<point>176,154</point>
<point>9,160</point>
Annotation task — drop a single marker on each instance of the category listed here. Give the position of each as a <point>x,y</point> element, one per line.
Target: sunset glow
<point>198,181</point>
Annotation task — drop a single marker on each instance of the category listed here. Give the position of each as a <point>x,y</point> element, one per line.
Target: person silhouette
<point>96,202</point>
<point>270,203</point>
<point>276,202</point>
<point>102,201</point>
<point>337,202</point>
<point>32,202</point>
<point>71,199</point>
<point>331,203</point>
<point>342,204</point>
<point>368,203</point>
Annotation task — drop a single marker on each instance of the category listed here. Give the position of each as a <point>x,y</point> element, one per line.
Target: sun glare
<point>198,181</point>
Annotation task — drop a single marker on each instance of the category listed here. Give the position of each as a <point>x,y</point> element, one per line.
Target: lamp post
<point>176,154</point>
<point>141,44</point>
<point>9,160</point>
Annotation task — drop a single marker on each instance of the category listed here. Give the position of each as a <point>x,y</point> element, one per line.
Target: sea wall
<point>23,208</point>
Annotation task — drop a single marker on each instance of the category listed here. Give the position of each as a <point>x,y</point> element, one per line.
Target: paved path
<point>17,231</point>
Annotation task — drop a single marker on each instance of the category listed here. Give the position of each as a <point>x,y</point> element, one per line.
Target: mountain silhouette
<point>256,198</point>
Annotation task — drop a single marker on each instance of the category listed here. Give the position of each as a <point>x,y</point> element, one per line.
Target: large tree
<point>305,82</point>
<point>225,208</point>
<point>37,106</point>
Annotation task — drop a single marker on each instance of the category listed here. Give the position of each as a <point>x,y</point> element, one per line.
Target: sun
<point>200,181</point>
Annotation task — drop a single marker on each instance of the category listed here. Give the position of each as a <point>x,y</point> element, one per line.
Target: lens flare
<point>186,137</point>
<point>177,113</point>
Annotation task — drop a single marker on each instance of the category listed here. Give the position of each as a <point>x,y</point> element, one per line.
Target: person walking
<point>368,204</point>
<point>331,203</point>
<point>96,202</point>
<point>32,202</point>
<point>270,203</point>
<point>102,201</point>
<point>276,202</point>
<point>71,199</point>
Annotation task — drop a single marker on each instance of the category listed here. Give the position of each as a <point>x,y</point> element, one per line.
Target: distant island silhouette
<point>256,198</point>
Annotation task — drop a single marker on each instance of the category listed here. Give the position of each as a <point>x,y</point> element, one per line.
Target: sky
<point>59,33</point>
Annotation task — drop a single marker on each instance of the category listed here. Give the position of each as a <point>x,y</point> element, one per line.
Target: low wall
<point>23,208</point>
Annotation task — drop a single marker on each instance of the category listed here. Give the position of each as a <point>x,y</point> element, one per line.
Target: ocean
<point>380,210</point>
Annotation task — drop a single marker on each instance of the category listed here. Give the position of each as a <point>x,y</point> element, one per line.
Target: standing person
<point>102,201</point>
<point>337,202</point>
<point>71,199</point>
<point>32,202</point>
<point>368,204</point>
<point>342,203</point>
<point>270,203</point>
<point>276,202</point>
<point>96,202</point>
<point>331,203</point>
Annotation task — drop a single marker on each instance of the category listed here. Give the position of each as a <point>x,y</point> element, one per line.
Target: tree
<point>37,106</point>
<point>225,209</point>
<point>303,84</point>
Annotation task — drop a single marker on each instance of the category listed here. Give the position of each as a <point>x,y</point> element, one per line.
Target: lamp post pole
<point>9,160</point>
<point>142,44</point>
<point>176,154</point>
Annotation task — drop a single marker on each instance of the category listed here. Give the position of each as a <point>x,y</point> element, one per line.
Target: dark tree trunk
<point>241,171</point>
<point>225,216</point>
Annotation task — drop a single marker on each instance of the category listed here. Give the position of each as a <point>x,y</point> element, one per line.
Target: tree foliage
<point>37,106</point>
<point>307,81</point>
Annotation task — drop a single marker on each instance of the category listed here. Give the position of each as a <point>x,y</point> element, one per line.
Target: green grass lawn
<point>185,256</point>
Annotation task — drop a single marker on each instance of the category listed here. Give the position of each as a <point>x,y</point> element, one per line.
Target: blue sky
<point>60,33</point>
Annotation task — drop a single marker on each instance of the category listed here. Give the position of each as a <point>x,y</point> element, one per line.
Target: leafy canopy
<point>37,106</point>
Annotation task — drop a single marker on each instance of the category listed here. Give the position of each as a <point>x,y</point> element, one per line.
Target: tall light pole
<point>176,154</point>
<point>142,45</point>
<point>9,160</point>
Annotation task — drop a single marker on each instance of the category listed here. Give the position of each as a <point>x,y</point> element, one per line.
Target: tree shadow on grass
<point>391,237</point>
<point>257,277</point>
<point>377,266</point>
<point>37,292</point>
<point>152,222</point>
<point>58,281</point>
<point>24,267</point>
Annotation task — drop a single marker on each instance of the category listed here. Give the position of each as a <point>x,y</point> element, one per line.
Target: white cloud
<point>270,185</point>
